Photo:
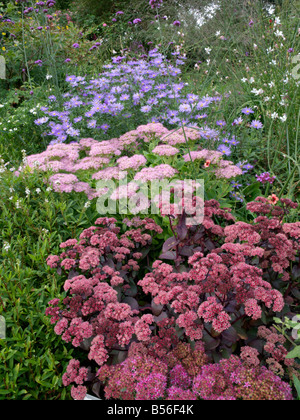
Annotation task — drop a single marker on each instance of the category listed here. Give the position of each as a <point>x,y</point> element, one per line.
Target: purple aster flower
<point>247,111</point>
<point>238,121</point>
<point>235,184</point>
<point>41,121</point>
<point>39,63</point>
<point>174,121</point>
<point>224,149</point>
<point>256,124</point>
<point>234,141</point>
<point>201,116</point>
<point>185,108</point>
<point>237,196</point>
<point>73,132</point>
<point>221,123</point>
<point>146,109</point>
<point>202,104</point>
<point>137,21</point>
<point>92,124</point>
<point>245,167</point>
<point>76,45</point>
<point>125,97</point>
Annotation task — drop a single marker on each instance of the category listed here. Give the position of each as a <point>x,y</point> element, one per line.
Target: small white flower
<point>6,246</point>
<point>277,21</point>
<point>279,34</point>
<point>271,10</point>
<point>257,92</point>
<point>274,116</point>
<point>283,118</point>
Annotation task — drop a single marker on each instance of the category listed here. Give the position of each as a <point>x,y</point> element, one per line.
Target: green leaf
<point>297,385</point>
<point>294,353</point>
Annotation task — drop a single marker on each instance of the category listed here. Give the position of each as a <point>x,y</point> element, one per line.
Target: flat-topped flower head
<point>156,173</point>
<point>165,150</point>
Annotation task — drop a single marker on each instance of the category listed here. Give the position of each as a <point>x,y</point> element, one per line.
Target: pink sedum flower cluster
<point>221,278</point>
<point>145,377</point>
<point>78,166</point>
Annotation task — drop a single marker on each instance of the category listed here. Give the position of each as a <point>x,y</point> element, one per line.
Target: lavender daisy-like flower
<point>105,127</point>
<point>238,121</point>
<point>92,124</point>
<point>185,108</point>
<point>146,109</point>
<point>52,98</point>
<point>235,184</point>
<point>76,45</point>
<point>225,150</point>
<point>234,141</point>
<point>257,124</point>
<point>247,111</point>
<point>41,121</point>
